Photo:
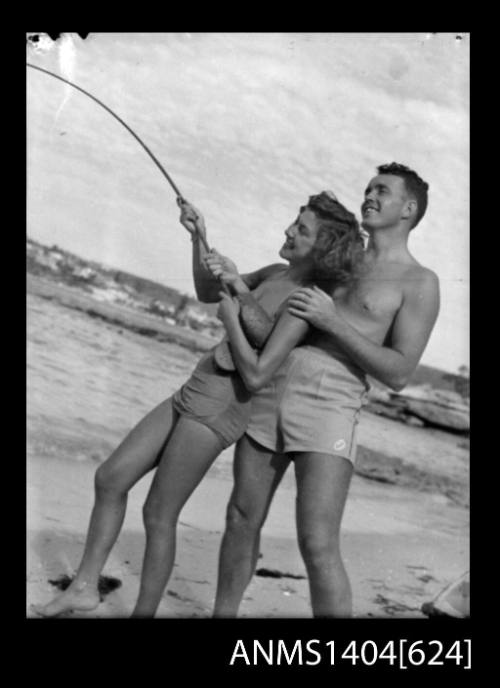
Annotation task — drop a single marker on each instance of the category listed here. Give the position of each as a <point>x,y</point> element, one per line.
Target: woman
<point>184,434</point>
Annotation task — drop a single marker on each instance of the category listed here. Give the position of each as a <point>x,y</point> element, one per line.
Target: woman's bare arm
<point>206,285</point>
<point>257,369</point>
<point>256,322</point>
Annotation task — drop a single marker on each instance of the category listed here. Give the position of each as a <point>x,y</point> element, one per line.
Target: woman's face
<point>301,236</point>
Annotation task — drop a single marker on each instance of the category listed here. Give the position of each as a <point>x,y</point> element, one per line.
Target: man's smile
<point>369,208</point>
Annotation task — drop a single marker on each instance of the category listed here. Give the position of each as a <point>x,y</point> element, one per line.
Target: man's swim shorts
<point>312,404</point>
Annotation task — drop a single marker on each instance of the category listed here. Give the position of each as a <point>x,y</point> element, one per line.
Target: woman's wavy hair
<point>339,246</point>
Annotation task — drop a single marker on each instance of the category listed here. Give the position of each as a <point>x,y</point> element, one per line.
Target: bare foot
<point>76,597</point>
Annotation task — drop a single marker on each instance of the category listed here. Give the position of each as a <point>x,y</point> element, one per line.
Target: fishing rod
<point>129,129</point>
<point>154,159</point>
<point>222,353</point>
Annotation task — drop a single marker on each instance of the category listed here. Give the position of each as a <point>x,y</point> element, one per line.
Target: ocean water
<point>89,382</point>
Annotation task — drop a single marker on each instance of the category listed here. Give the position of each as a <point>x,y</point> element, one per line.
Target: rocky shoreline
<point>120,315</point>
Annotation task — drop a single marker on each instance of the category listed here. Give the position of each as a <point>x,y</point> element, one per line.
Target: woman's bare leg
<point>189,453</point>
<point>257,474</point>
<point>134,457</point>
<point>322,485</point>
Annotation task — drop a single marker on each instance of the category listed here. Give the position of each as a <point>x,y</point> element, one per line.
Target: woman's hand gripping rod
<point>195,225</point>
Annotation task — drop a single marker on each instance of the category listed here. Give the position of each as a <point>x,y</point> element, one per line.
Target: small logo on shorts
<point>339,445</point>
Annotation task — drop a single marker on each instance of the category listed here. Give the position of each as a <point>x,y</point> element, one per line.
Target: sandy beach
<point>405,529</point>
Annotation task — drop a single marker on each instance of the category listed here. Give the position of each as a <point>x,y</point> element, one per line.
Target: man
<point>378,323</point>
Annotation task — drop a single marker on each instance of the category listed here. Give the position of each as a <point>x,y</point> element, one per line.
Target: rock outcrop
<point>424,404</point>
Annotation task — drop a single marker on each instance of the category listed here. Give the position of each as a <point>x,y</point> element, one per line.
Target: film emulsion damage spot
<point>36,38</point>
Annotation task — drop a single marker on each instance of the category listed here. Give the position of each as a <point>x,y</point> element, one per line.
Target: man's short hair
<point>415,186</point>
<point>339,246</point>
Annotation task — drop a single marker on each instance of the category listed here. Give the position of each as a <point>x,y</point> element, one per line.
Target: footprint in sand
<point>393,607</point>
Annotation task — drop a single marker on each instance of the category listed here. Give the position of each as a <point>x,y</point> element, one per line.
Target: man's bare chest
<point>372,299</point>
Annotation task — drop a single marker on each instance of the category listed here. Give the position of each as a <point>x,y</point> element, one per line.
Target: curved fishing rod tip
<point>113,114</point>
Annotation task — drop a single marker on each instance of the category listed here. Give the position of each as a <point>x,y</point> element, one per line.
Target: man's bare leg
<point>257,474</point>
<point>322,485</point>
<point>189,453</point>
<point>135,456</point>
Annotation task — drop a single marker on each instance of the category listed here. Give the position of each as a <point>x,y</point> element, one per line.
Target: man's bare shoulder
<point>405,274</point>
<point>420,284</point>
<point>417,273</point>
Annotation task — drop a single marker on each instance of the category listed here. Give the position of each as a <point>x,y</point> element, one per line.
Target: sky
<point>248,125</point>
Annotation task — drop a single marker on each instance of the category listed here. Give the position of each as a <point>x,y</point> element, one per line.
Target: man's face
<point>300,237</point>
<point>385,202</point>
